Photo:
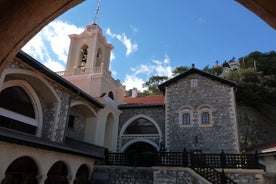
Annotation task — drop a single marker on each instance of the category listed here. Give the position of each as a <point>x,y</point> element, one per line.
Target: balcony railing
<point>79,71</point>
<point>183,159</point>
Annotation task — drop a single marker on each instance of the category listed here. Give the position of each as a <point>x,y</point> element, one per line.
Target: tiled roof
<point>265,147</point>
<point>156,99</point>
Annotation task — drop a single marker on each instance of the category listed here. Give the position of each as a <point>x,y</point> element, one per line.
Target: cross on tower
<point>97,11</point>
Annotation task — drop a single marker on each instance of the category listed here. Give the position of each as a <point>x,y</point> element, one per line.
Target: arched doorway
<point>141,154</point>
<point>21,170</point>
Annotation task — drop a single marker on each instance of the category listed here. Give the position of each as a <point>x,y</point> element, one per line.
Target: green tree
<point>152,85</point>
<point>179,70</point>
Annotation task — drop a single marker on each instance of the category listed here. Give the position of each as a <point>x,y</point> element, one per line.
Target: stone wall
<point>244,176</point>
<point>176,176</point>
<point>167,175</point>
<point>270,178</point>
<point>122,175</point>
<point>219,97</point>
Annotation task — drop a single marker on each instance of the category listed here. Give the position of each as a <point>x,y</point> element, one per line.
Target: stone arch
<point>141,153</point>
<point>126,124</point>
<point>109,131</point>
<point>184,107</point>
<point>82,123</point>
<point>57,173</point>
<point>21,170</point>
<point>42,87</point>
<point>82,175</point>
<point>25,86</point>
<point>205,106</point>
<point>148,141</point>
<point>14,15</point>
<point>32,78</point>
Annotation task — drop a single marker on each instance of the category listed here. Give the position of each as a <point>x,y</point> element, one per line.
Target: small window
<point>186,118</point>
<point>194,83</point>
<point>205,118</point>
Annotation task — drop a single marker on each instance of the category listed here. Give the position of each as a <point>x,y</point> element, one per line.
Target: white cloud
<point>112,56</point>
<point>163,68</point>
<point>36,48</point>
<point>52,39</point>
<point>133,28</point>
<point>132,81</point>
<point>130,47</point>
<point>141,73</point>
<point>54,66</point>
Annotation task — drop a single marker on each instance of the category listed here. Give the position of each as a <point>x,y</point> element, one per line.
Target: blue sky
<point>154,37</point>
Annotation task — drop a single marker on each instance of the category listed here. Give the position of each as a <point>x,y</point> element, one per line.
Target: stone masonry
<point>218,97</point>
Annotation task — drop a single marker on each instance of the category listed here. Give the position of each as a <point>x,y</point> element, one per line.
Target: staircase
<point>213,176</point>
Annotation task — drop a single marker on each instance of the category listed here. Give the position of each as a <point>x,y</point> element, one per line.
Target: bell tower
<point>89,52</point>
<point>88,64</point>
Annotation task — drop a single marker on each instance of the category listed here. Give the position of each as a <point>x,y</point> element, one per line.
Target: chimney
<point>193,65</point>
<point>134,93</point>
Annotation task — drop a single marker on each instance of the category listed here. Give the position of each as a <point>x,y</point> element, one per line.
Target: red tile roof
<point>156,99</point>
<point>265,147</point>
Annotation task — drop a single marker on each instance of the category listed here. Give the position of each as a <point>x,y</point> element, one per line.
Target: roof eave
<point>200,72</point>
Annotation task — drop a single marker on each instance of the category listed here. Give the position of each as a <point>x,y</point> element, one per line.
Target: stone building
<point>200,113</point>
<point>197,112</point>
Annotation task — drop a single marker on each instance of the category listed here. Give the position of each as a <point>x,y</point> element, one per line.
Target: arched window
<point>141,126</point>
<point>186,116</point>
<point>206,115</point>
<point>17,110</point>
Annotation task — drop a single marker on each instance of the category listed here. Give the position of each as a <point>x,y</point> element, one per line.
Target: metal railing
<point>203,164</point>
<point>183,159</point>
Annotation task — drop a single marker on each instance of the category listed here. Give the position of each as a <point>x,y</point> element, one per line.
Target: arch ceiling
<point>21,20</point>
<point>265,9</point>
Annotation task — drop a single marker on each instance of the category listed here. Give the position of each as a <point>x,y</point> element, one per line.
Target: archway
<point>82,175</point>
<point>21,170</point>
<point>57,174</point>
<point>109,129</point>
<point>141,154</point>
<point>82,123</point>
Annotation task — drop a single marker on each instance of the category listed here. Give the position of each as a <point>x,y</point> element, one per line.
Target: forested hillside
<point>256,97</point>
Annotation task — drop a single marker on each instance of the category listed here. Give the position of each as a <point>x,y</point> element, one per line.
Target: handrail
<point>184,159</point>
